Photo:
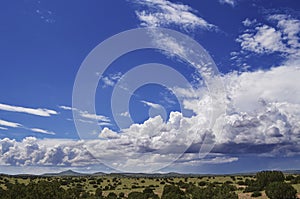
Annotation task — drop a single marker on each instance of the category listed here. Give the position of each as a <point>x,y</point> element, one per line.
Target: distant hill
<point>291,171</point>
<point>153,175</point>
<point>65,173</point>
<point>99,174</point>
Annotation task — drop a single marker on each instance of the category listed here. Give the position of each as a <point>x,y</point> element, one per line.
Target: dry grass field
<point>125,184</point>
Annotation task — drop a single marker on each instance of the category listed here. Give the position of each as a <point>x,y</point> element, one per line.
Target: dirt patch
<point>248,196</point>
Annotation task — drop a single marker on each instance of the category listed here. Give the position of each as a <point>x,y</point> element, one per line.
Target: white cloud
<point>10,124</point>
<point>108,134</point>
<point>229,2</point>
<point>266,39</point>
<point>263,114</point>
<point>290,28</point>
<point>263,108</point>
<point>281,35</point>
<point>125,114</point>
<point>87,117</point>
<point>194,160</point>
<point>67,108</point>
<point>107,81</point>
<point>37,130</point>
<point>52,152</point>
<point>162,13</point>
<point>247,22</point>
<point>17,125</point>
<point>153,105</point>
<point>111,79</point>
<point>278,84</point>
<point>39,111</point>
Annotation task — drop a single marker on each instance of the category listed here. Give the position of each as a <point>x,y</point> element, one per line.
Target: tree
<point>136,195</point>
<point>121,195</point>
<point>289,177</point>
<point>255,194</point>
<point>112,195</point>
<point>98,192</point>
<point>264,178</point>
<point>174,192</point>
<point>148,193</point>
<point>296,180</point>
<point>281,190</point>
<point>224,191</point>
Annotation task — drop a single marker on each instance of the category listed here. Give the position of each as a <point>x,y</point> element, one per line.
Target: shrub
<point>121,195</point>
<point>296,180</point>
<point>240,182</point>
<point>256,194</point>
<point>112,195</point>
<point>136,195</point>
<point>289,177</point>
<point>202,183</point>
<point>171,191</point>
<point>281,190</point>
<point>264,178</point>
<point>98,192</point>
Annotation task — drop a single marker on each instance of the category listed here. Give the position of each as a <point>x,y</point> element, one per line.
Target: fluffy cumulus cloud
<point>280,35</point>
<point>262,117</point>
<point>160,13</point>
<point>31,151</point>
<point>263,113</point>
<point>150,145</point>
<point>263,110</point>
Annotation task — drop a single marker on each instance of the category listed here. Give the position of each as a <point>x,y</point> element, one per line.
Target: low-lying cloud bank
<point>263,114</point>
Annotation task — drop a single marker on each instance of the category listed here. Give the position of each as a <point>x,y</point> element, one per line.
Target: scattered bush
<point>281,190</point>
<point>256,194</point>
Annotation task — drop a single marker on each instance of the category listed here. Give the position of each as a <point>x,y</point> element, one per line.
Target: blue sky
<point>255,46</point>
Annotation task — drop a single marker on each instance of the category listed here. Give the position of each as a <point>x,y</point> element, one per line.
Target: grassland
<point>127,184</point>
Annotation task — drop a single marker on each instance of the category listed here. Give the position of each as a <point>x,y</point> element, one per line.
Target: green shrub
<point>256,194</point>
<point>264,178</point>
<point>281,190</point>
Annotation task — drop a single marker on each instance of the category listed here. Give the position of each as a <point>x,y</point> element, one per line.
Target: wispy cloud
<point>160,13</point>
<point>67,108</point>
<point>88,117</point>
<point>37,130</point>
<point>153,105</point>
<point>10,124</point>
<point>125,114</point>
<point>229,2</point>
<point>4,124</point>
<point>248,22</point>
<point>45,15</point>
<point>38,111</point>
